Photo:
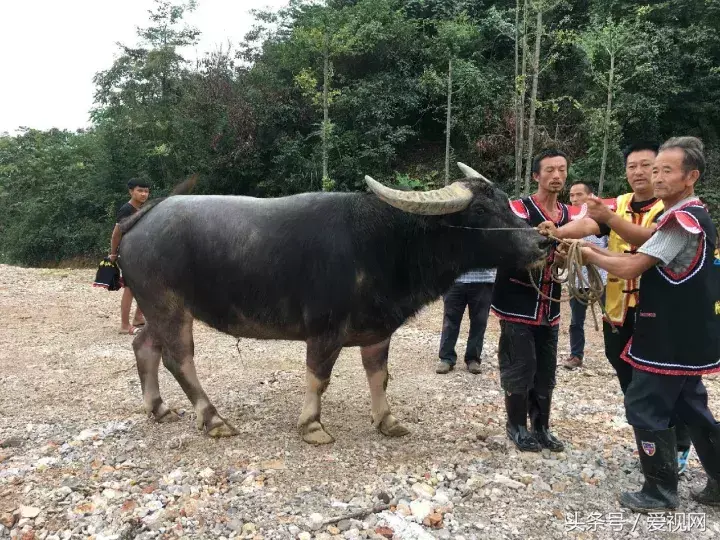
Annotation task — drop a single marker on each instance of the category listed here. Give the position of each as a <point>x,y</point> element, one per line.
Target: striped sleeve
<point>667,243</point>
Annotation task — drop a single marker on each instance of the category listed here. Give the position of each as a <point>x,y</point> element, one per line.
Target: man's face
<point>639,169</point>
<point>140,194</point>
<point>669,179</point>
<point>552,175</point>
<point>578,194</point>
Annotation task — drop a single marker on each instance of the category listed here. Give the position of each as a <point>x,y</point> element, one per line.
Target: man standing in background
<point>139,193</point>
<point>579,194</point>
<point>474,290</point>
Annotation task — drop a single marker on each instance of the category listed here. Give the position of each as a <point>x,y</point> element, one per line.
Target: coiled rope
<point>568,270</point>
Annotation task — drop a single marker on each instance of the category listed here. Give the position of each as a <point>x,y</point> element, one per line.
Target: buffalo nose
<point>546,243</point>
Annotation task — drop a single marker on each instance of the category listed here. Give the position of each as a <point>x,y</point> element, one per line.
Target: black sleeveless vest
<point>514,297</point>
<point>677,324</point>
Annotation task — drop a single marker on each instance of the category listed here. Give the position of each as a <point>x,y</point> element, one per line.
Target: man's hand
<point>547,228</point>
<point>598,211</point>
<point>587,254</point>
<point>112,257</point>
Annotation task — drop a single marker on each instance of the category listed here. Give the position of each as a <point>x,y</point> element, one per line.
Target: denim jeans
<point>577,327</point>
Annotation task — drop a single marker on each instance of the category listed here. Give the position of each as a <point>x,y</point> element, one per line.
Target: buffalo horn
<point>472,173</point>
<point>447,200</point>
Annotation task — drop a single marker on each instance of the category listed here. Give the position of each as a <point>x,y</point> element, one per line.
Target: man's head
<point>679,164</point>
<point>139,190</point>
<point>639,158</point>
<point>550,168</point>
<point>579,193</point>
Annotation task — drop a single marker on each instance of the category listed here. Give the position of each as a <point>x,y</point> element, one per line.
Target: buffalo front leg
<point>177,356</point>
<point>147,357</point>
<point>320,361</point>
<point>375,359</point>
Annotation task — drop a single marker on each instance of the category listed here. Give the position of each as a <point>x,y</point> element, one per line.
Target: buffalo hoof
<point>167,416</point>
<point>217,427</point>
<point>222,430</point>
<point>391,427</point>
<point>314,433</point>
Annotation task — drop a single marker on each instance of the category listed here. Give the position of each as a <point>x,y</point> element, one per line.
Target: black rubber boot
<point>540,420</point>
<point>516,428</point>
<point>707,446</point>
<point>658,458</point>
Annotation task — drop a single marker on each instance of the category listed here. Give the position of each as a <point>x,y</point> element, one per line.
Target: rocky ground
<point>79,459</point>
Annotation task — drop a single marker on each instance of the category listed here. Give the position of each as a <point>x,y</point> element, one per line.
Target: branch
<point>356,515</point>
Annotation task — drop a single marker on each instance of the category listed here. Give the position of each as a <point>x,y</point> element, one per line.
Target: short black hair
<point>588,189</point>
<point>547,153</point>
<point>639,146</point>
<point>137,182</point>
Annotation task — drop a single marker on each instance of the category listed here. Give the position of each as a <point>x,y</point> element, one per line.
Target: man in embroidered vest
<point>676,338</point>
<point>527,352</point>
<point>629,226</point>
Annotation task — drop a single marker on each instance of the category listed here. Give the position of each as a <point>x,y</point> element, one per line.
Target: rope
<point>586,291</point>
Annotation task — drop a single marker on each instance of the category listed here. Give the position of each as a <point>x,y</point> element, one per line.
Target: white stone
<point>421,509</point>
<point>316,521</point>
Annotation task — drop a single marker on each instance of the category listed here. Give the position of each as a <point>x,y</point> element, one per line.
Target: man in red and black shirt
<point>139,193</point>
<point>676,338</point>
<point>527,352</point>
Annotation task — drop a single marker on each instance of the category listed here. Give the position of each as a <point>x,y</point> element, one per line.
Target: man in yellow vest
<point>629,225</point>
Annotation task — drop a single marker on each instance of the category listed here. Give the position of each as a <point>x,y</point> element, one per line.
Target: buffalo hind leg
<point>320,361</point>
<point>147,357</point>
<point>177,356</point>
<point>375,359</point>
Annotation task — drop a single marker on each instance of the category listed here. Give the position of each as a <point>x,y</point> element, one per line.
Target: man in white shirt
<point>579,194</point>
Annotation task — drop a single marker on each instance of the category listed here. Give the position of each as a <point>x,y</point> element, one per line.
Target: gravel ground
<point>79,459</point>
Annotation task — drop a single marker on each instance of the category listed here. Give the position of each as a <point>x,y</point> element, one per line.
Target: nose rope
<point>586,291</point>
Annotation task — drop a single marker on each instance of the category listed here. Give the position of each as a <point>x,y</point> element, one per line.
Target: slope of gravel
<point>79,459</point>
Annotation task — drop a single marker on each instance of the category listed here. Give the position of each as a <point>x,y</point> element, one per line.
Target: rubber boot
<point>540,420</point>
<point>658,458</point>
<point>707,446</point>
<point>516,428</point>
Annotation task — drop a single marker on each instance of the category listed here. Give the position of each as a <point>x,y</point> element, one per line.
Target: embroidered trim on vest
<point>518,208</point>
<point>666,369</point>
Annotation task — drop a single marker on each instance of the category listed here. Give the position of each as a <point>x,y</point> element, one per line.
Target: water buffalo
<point>331,269</point>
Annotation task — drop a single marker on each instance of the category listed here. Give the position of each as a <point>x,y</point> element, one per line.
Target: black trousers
<point>653,400</point>
<point>614,346</point>
<point>527,357</point>
<point>477,297</point>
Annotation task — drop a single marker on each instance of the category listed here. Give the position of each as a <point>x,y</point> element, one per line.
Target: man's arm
<point>622,265</point>
<point>115,241</point>
<point>635,235</point>
<point>573,230</point>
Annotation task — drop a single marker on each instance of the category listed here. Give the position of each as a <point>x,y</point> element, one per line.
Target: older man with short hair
<point>676,339</point>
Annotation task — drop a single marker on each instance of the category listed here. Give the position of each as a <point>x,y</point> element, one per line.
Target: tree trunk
<point>447,123</point>
<point>533,99</point>
<point>326,82</point>
<point>521,102</point>
<point>608,113</point>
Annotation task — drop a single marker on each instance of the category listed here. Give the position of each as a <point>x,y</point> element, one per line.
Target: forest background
<point>321,93</point>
